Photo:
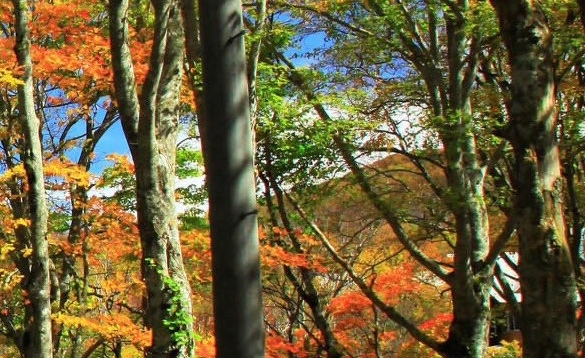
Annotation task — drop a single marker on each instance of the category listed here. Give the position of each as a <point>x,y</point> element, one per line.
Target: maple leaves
<point>70,51</point>
<point>357,324</point>
<point>114,327</point>
<point>274,255</point>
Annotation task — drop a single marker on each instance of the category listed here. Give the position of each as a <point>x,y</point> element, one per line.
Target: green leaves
<point>120,179</point>
<point>295,146</point>
<point>189,163</point>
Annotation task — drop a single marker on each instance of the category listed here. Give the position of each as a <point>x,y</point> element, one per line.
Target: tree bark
<point>227,149</point>
<point>546,269</point>
<point>37,336</point>
<point>150,123</point>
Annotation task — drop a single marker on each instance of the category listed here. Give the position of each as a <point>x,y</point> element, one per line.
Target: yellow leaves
<point>131,352</point>
<point>7,78</point>
<point>505,349</point>
<point>5,251</point>
<point>54,169</point>
<point>9,281</point>
<point>20,222</point>
<point>13,173</point>
<point>326,5</point>
<point>27,252</point>
<point>8,248</point>
<point>113,327</point>
<point>70,172</point>
<point>10,225</point>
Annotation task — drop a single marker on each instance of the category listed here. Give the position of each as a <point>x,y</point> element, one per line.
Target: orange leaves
<point>68,49</point>
<point>55,101</point>
<point>439,322</point>
<point>206,347</point>
<point>111,327</point>
<point>122,168</point>
<point>277,346</point>
<point>7,56</point>
<point>395,281</point>
<point>140,53</point>
<point>274,254</point>
<point>113,236</point>
<point>122,163</point>
<point>197,254</point>
<point>6,15</point>
<point>350,303</point>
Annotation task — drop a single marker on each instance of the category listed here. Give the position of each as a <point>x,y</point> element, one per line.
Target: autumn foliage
<point>335,80</point>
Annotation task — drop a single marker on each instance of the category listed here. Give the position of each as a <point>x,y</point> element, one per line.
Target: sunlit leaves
<point>71,173</point>
<point>111,327</point>
<point>119,178</point>
<point>7,77</point>
<point>189,163</point>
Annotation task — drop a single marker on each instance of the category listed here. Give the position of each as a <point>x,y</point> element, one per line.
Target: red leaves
<point>349,303</point>
<point>274,254</point>
<point>396,281</point>
<point>277,346</point>
<point>437,323</point>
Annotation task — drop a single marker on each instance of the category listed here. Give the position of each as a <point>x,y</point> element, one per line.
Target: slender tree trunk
<point>546,270</point>
<point>37,338</point>
<point>305,284</point>
<point>227,149</point>
<point>471,279</point>
<point>150,123</point>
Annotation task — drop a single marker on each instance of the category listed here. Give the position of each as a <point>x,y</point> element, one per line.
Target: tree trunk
<point>546,270</point>
<point>227,149</point>
<point>305,284</point>
<point>471,278</point>
<point>37,337</point>
<point>150,124</point>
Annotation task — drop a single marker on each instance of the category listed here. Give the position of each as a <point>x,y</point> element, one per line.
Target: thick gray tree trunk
<point>546,270</point>
<point>37,337</point>
<point>150,122</point>
<point>227,149</point>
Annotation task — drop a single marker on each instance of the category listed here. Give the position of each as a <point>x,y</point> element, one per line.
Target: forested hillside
<point>312,178</point>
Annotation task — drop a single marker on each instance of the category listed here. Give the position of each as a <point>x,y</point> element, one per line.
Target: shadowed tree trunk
<point>227,149</point>
<point>546,270</point>
<point>37,337</point>
<point>150,123</point>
